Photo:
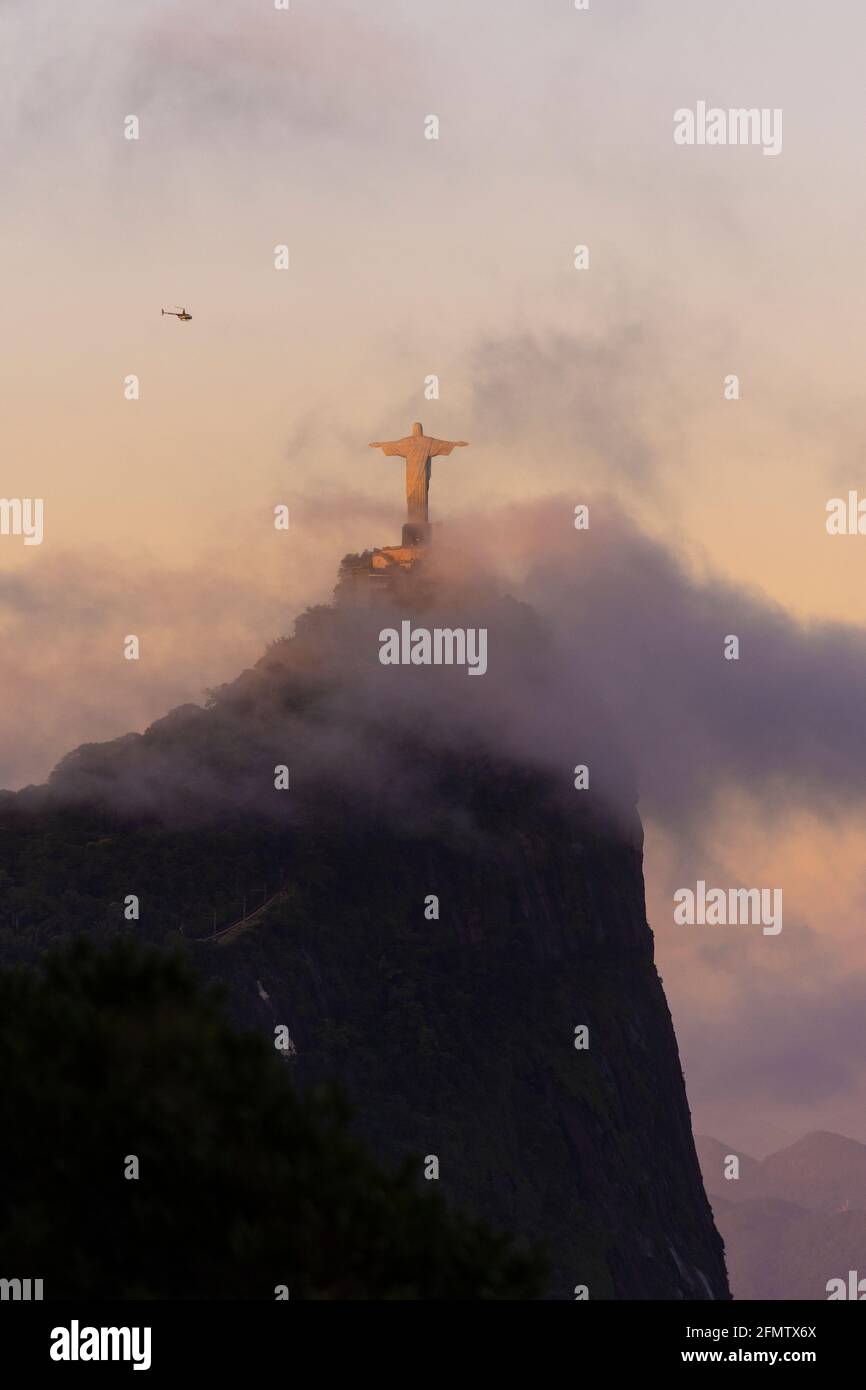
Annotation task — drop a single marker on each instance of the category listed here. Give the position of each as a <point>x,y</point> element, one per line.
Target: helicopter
<point>178,313</point>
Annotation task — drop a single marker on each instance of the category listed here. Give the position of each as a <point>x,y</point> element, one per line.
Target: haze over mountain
<point>460,936</point>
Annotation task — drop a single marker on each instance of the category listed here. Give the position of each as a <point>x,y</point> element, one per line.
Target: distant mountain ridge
<point>821,1172</point>
<point>793,1220</point>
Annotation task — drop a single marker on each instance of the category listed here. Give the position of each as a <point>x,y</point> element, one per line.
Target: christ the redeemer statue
<point>418,449</point>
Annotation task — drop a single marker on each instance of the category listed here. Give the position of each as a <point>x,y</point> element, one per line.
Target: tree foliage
<point>245,1183</point>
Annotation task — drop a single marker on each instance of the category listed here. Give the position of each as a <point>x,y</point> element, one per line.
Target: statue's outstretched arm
<point>444,446</point>
<point>394,447</point>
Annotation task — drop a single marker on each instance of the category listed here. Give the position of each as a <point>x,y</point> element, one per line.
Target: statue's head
<point>417,428</point>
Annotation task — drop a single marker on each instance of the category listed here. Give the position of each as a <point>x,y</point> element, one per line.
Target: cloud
<point>578,395</point>
<point>631,641</point>
<point>637,629</point>
<point>63,620</point>
<point>205,75</point>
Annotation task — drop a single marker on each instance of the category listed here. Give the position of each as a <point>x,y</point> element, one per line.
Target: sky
<point>454,257</point>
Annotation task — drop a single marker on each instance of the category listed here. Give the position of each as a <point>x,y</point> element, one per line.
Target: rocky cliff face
<point>455,918</point>
<point>455,1037</point>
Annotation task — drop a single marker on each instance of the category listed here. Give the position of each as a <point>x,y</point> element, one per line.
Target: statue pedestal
<point>390,560</point>
<point>417,533</point>
<point>390,557</point>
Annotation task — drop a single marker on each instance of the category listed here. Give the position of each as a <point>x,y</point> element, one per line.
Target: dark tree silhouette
<point>244,1183</point>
